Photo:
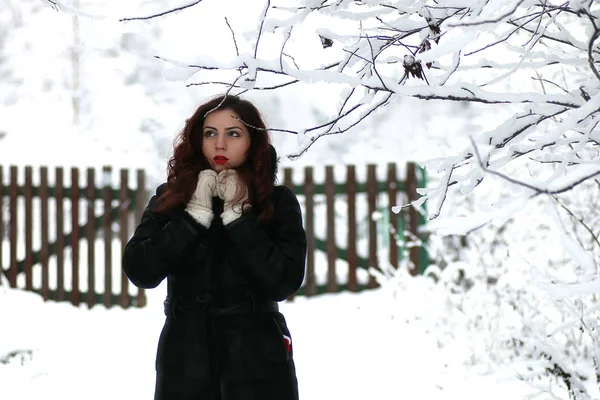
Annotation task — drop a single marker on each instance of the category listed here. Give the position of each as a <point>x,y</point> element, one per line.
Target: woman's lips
<point>221,159</point>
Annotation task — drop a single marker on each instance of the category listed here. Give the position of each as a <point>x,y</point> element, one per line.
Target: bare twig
<point>293,60</point>
<point>540,79</point>
<point>339,131</point>
<point>289,34</point>
<point>578,219</point>
<point>334,120</point>
<point>241,68</point>
<point>374,65</point>
<point>161,13</point>
<point>205,67</point>
<point>471,98</point>
<point>54,5</point>
<point>225,96</point>
<point>279,86</point>
<point>549,36</point>
<point>296,132</point>
<point>504,39</point>
<point>264,129</point>
<point>260,29</point>
<point>353,54</point>
<point>595,36</point>
<point>237,51</point>
<point>539,23</point>
<point>322,6</point>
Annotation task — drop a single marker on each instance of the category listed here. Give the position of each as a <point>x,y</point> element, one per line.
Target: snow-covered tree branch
<point>539,56</point>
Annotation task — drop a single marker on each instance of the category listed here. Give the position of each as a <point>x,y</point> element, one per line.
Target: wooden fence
<point>330,209</point>
<point>100,208</point>
<point>400,230</point>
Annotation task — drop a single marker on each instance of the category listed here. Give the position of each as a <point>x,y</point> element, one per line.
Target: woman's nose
<point>220,142</point>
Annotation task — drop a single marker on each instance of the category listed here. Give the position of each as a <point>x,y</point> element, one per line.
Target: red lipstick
<point>221,159</point>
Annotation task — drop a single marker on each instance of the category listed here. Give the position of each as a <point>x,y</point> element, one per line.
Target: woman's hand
<point>200,204</point>
<point>229,187</point>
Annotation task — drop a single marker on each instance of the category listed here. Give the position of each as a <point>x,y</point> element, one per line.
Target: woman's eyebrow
<point>227,129</point>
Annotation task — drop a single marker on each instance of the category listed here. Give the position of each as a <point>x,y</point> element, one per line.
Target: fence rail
<point>94,220</point>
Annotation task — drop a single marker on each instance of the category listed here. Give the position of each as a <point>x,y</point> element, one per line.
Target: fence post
<point>331,247</point>
<point>351,201</point>
<point>91,237</point>
<point>411,192</point>
<point>75,295</point>
<point>12,272</point>
<point>45,247</point>
<point>309,190</point>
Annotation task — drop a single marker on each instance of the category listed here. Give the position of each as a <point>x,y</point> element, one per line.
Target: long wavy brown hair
<point>257,172</point>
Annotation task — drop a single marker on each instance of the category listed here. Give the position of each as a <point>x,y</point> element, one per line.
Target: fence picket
<point>411,192</point>
<point>44,251</point>
<point>90,234</point>
<point>309,190</point>
<point>60,235</point>
<point>75,293</point>
<point>140,206</point>
<point>107,226</point>
<point>392,192</point>
<point>12,272</point>
<point>352,253</point>
<point>124,233</point>
<point>331,246</point>
<point>287,181</point>
<point>28,228</point>
<point>372,208</point>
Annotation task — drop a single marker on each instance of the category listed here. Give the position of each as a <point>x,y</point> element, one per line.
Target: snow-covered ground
<point>379,345</point>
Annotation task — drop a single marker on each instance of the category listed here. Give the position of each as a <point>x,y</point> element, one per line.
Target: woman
<point>231,245</point>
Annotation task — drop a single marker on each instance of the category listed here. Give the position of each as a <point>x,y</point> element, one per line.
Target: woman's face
<point>225,140</point>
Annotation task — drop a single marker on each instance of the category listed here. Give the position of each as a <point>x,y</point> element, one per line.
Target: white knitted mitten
<point>200,204</point>
<point>227,188</point>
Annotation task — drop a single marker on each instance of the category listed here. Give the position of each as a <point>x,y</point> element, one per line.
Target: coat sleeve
<point>158,244</point>
<point>272,263</point>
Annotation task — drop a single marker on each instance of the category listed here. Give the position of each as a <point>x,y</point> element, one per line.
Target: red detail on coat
<point>288,343</point>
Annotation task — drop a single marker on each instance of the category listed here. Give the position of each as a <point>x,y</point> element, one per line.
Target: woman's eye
<point>234,134</point>
<point>209,134</point>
